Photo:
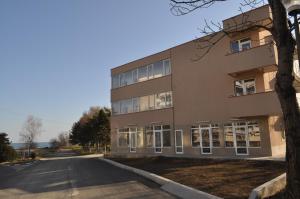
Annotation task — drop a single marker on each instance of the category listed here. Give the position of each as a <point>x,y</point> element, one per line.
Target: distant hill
<point>39,145</point>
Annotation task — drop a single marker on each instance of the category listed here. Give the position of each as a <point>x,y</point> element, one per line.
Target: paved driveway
<point>76,177</point>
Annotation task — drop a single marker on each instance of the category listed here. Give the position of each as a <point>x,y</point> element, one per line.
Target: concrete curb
<point>168,185</point>
<point>269,188</point>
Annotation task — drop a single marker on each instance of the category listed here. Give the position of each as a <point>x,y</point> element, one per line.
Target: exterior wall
<point>203,91</point>
<point>277,136</point>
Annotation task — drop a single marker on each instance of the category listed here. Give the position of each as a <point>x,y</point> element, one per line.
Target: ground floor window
<point>123,137</point>
<point>206,136</point>
<point>158,136</point>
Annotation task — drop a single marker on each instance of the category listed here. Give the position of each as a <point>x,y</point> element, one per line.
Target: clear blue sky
<point>56,55</point>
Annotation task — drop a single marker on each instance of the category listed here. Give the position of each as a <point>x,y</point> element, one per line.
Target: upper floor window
<point>240,45</point>
<point>143,73</point>
<point>143,103</point>
<point>244,87</point>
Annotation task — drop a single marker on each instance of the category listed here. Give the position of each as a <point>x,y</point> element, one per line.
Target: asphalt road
<point>76,177</point>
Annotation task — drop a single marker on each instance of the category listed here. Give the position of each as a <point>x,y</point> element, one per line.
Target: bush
<point>33,155</point>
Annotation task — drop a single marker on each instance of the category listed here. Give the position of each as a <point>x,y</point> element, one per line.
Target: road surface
<point>75,177</point>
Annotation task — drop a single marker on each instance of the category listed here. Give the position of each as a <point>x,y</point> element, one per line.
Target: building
<point>222,104</point>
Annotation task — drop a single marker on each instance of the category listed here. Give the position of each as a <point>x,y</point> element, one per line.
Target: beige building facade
<point>193,102</point>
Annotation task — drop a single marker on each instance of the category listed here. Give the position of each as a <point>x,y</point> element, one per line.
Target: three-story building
<point>222,104</point>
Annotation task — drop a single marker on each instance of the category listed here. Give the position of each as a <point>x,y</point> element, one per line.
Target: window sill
<point>257,93</point>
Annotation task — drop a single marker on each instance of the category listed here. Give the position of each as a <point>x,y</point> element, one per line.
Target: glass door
<point>179,141</point>
<point>158,141</point>
<point>206,141</point>
<point>132,138</point>
<point>241,140</point>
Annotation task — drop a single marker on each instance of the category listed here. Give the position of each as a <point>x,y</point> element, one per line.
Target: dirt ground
<point>224,178</point>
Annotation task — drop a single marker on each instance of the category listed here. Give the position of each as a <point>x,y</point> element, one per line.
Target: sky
<point>56,55</point>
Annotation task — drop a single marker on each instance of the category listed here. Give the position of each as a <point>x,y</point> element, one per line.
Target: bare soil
<point>224,178</point>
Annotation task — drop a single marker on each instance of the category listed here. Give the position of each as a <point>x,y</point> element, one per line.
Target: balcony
<point>258,57</point>
<point>258,104</point>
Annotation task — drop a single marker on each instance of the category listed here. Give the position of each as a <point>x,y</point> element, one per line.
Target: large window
<point>240,45</point>
<point>143,73</point>
<point>244,87</point>
<point>206,135</point>
<point>195,137</point>
<point>144,103</point>
<point>158,136</point>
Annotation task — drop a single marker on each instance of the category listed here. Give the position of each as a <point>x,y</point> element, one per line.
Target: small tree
<point>32,128</point>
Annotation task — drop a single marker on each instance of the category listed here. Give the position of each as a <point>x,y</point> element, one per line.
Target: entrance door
<point>206,141</point>
<point>132,138</point>
<point>179,141</point>
<point>241,140</point>
<point>158,141</point>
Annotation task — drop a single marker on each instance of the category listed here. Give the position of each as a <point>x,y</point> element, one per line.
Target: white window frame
<point>235,140</point>
<point>181,133</point>
<point>132,133</point>
<point>210,140</point>
<point>241,43</point>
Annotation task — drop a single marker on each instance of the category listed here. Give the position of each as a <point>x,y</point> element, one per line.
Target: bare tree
<point>281,30</point>
<point>32,128</point>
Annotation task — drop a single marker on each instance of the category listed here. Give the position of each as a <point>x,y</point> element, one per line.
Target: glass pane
<point>157,127</point>
<point>135,103</point>
<point>133,140</point>
<point>238,87</point>
<point>216,137</point>
<point>128,78</point>
<point>235,46</point>
<point>140,137</point>
<point>151,102</point>
<point>158,139</point>
<point>241,150</point>
<point>178,138</point>
<point>250,86</point>
<point>167,138</point>
<point>115,81</point>
<point>245,44</point>
<point>205,138</point>
<point>205,150</point>
<point>166,127</point>
<point>160,100</point>
<point>167,66</point>
<point>115,108</point>
<point>149,138</point>
<point>126,106</point>
<point>143,73</point>
<point>168,99</point>
<point>254,136</point>
<point>150,71</point>
<point>240,140</point>
<point>195,138</point>
<point>179,149</point>
<point>123,139</point>
<point>134,75</point>
<point>144,103</point>
<point>228,135</point>
<point>158,69</point>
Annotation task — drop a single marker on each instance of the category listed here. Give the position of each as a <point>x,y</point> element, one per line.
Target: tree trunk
<point>287,97</point>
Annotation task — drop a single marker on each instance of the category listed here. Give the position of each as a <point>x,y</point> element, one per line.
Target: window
<point>149,136</point>
<point>166,135</point>
<point>240,45</point>
<point>143,73</point>
<point>195,137</point>
<point>116,108</point>
<point>167,67</point>
<point>135,104</point>
<point>228,135</point>
<point>144,103</point>
<point>254,134</point>
<point>215,131</point>
<point>244,87</point>
<point>123,137</point>
<point>126,106</point>
<point>115,81</point>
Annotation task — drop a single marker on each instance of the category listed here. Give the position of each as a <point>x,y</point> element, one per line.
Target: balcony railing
<point>258,104</point>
